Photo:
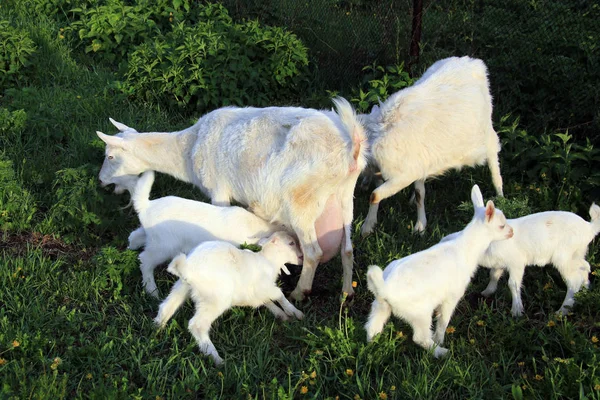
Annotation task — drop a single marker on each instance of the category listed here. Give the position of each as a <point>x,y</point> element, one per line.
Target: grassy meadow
<point>75,321</point>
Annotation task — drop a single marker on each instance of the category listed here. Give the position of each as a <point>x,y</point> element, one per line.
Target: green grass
<point>76,323</point>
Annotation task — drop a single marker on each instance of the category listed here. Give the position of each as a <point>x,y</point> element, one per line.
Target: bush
<point>17,205</point>
<point>378,84</point>
<point>74,212</point>
<point>216,63</point>
<point>16,49</point>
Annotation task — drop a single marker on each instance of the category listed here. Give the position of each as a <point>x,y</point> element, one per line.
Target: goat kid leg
<point>422,334</point>
<point>387,189</point>
<point>446,310</point>
<point>220,197</point>
<point>420,200</point>
<point>276,311</point>
<point>495,275</point>
<point>137,239</point>
<point>174,300</point>
<point>379,315</point>
<point>199,326</point>
<point>514,284</point>
<point>575,277</point>
<point>347,252</point>
<point>288,307</point>
<point>149,260</point>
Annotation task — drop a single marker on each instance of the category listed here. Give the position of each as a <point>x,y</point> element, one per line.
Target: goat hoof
<point>299,295</point>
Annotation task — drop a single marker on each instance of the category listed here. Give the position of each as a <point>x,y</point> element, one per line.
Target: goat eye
<point>292,244</point>
<point>110,157</point>
<point>502,226</point>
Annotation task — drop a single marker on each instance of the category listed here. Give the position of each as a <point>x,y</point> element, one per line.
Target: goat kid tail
<point>356,133</point>
<point>375,282</point>
<point>141,194</point>
<point>595,218</point>
<point>176,264</point>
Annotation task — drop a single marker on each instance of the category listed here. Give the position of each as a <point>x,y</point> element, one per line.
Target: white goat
<point>433,280</point>
<point>442,122</point>
<point>292,166</point>
<point>552,237</point>
<point>173,225</point>
<point>219,276</point>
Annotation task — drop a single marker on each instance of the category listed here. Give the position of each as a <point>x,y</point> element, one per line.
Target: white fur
<point>433,280</point>
<point>173,225</point>
<point>442,122</point>
<point>292,166</point>
<point>553,237</point>
<point>219,276</point>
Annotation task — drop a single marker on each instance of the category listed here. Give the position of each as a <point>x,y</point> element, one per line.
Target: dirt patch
<point>52,247</point>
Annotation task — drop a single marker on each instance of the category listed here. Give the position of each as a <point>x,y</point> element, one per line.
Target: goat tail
<point>356,133</point>
<point>176,264</point>
<point>375,282</point>
<point>595,218</point>
<point>141,194</point>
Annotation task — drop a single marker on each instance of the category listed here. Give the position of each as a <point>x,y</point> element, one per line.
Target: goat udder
<point>330,228</point>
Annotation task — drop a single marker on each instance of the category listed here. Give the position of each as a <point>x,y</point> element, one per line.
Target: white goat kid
<point>552,237</point>
<point>433,280</point>
<point>219,276</point>
<point>173,225</point>
<point>442,122</point>
<point>292,166</point>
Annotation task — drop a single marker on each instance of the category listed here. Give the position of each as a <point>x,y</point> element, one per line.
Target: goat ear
<point>476,197</point>
<point>111,140</point>
<point>120,126</point>
<point>490,210</point>
<point>285,270</point>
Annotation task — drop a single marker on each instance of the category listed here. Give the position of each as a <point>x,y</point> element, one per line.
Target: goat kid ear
<point>285,270</point>
<point>490,210</point>
<point>476,197</point>
<point>111,140</point>
<point>120,126</point>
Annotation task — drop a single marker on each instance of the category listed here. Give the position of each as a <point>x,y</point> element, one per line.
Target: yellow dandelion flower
<point>495,365</point>
<point>547,286</point>
<point>595,273</point>
<point>472,341</point>
<point>78,96</point>
<point>450,330</point>
<point>550,324</point>
<point>57,360</point>
<point>597,386</point>
<point>524,387</point>
<point>480,323</point>
<point>304,389</point>
<point>312,382</point>
<point>89,376</point>
<point>158,398</point>
<point>356,397</point>
<point>354,284</point>
<point>520,363</point>
<point>594,339</point>
<point>313,374</point>
<point>543,175</point>
<point>2,361</point>
<point>61,36</point>
<point>538,190</point>
<point>524,376</point>
<point>62,29</point>
<point>393,388</point>
<point>538,377</point>
<point>383,396</point>
<point>399,334</point>
<point>16,343</point>
<point>220,374</point>
<point>349,372</point>
<point>572,343</point>
<point>319,352</point>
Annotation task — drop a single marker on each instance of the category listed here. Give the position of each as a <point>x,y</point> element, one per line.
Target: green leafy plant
<point>116,267</point>
<point>16,50</point>
<point>17,205</point>
<point>217,62</point>
<point>378,84</point>
<point>74,213</point>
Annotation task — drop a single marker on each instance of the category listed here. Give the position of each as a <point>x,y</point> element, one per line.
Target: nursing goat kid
<point>173,225</point>
<point>291,166</point>
<point>442,122</point>
<point>219,276</point>
<point>552,237</point>
<point>433,280</point>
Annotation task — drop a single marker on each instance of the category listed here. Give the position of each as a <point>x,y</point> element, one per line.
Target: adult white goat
<point>441,122</point>
<point>292,166</point>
